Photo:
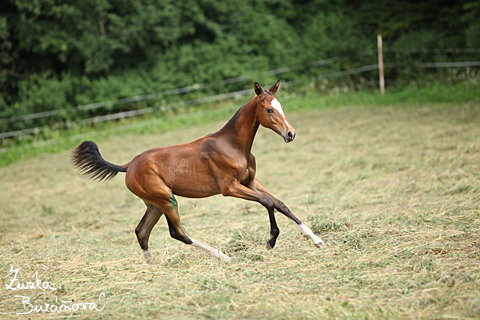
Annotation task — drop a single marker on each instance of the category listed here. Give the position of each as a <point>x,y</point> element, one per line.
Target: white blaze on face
<point>277,106</point>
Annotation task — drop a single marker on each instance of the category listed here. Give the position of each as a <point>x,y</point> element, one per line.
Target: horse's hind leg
<point>170,209</point>
<point>144,228</point>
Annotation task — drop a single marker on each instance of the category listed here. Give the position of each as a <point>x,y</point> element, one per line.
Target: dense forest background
<point>58,54</point>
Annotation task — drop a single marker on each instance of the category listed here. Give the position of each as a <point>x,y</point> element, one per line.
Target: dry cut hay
<point>394,192</point>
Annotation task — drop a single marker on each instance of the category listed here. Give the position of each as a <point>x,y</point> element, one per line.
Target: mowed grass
<point>393,191</point>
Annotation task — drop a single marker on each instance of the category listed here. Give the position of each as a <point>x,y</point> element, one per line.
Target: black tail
<point>86,157</point>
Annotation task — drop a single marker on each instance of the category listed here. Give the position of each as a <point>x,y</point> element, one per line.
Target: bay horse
<point>221,162</point>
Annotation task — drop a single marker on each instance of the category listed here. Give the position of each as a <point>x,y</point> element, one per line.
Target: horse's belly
<point>193,183</point>
<point>196,190</point>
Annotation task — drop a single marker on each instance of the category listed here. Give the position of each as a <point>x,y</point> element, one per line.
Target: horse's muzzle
<point>289,136</point>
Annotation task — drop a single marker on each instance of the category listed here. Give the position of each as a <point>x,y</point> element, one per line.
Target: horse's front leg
<point>280,206</point>
<point>237,190</point>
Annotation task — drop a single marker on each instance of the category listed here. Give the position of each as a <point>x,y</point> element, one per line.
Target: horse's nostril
<point>291,135</point>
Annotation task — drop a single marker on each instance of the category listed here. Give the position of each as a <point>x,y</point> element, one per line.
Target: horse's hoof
<point>150,262</point>
<point>320,245</point>
<point>148,257</point>
<point>224,257</point>
<point>271,243</point>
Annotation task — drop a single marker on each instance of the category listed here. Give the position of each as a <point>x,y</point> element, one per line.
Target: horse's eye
<point>270,110</point>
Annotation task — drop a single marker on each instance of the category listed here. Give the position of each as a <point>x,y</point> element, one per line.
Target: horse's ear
<point>274,88</point>
<point>258,90</point>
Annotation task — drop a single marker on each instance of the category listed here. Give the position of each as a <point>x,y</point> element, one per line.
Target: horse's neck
<point>243,126</point>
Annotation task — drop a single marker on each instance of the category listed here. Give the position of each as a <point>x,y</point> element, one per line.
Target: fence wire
<point>229,95</point>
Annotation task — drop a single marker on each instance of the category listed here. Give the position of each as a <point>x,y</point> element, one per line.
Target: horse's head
<point>270,112</point>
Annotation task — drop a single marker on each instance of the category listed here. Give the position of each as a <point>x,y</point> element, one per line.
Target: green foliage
<point>470,18</point>
<point>58,54</point>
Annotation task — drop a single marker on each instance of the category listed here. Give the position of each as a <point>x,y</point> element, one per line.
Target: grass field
<point>392,190</point>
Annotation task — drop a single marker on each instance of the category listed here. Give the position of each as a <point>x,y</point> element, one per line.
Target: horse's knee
<point>267,202</point>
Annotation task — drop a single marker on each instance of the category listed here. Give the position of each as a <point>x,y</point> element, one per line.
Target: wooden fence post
<point>380,64</point>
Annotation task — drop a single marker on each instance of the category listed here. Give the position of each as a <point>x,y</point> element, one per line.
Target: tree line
<point>57,54</point>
